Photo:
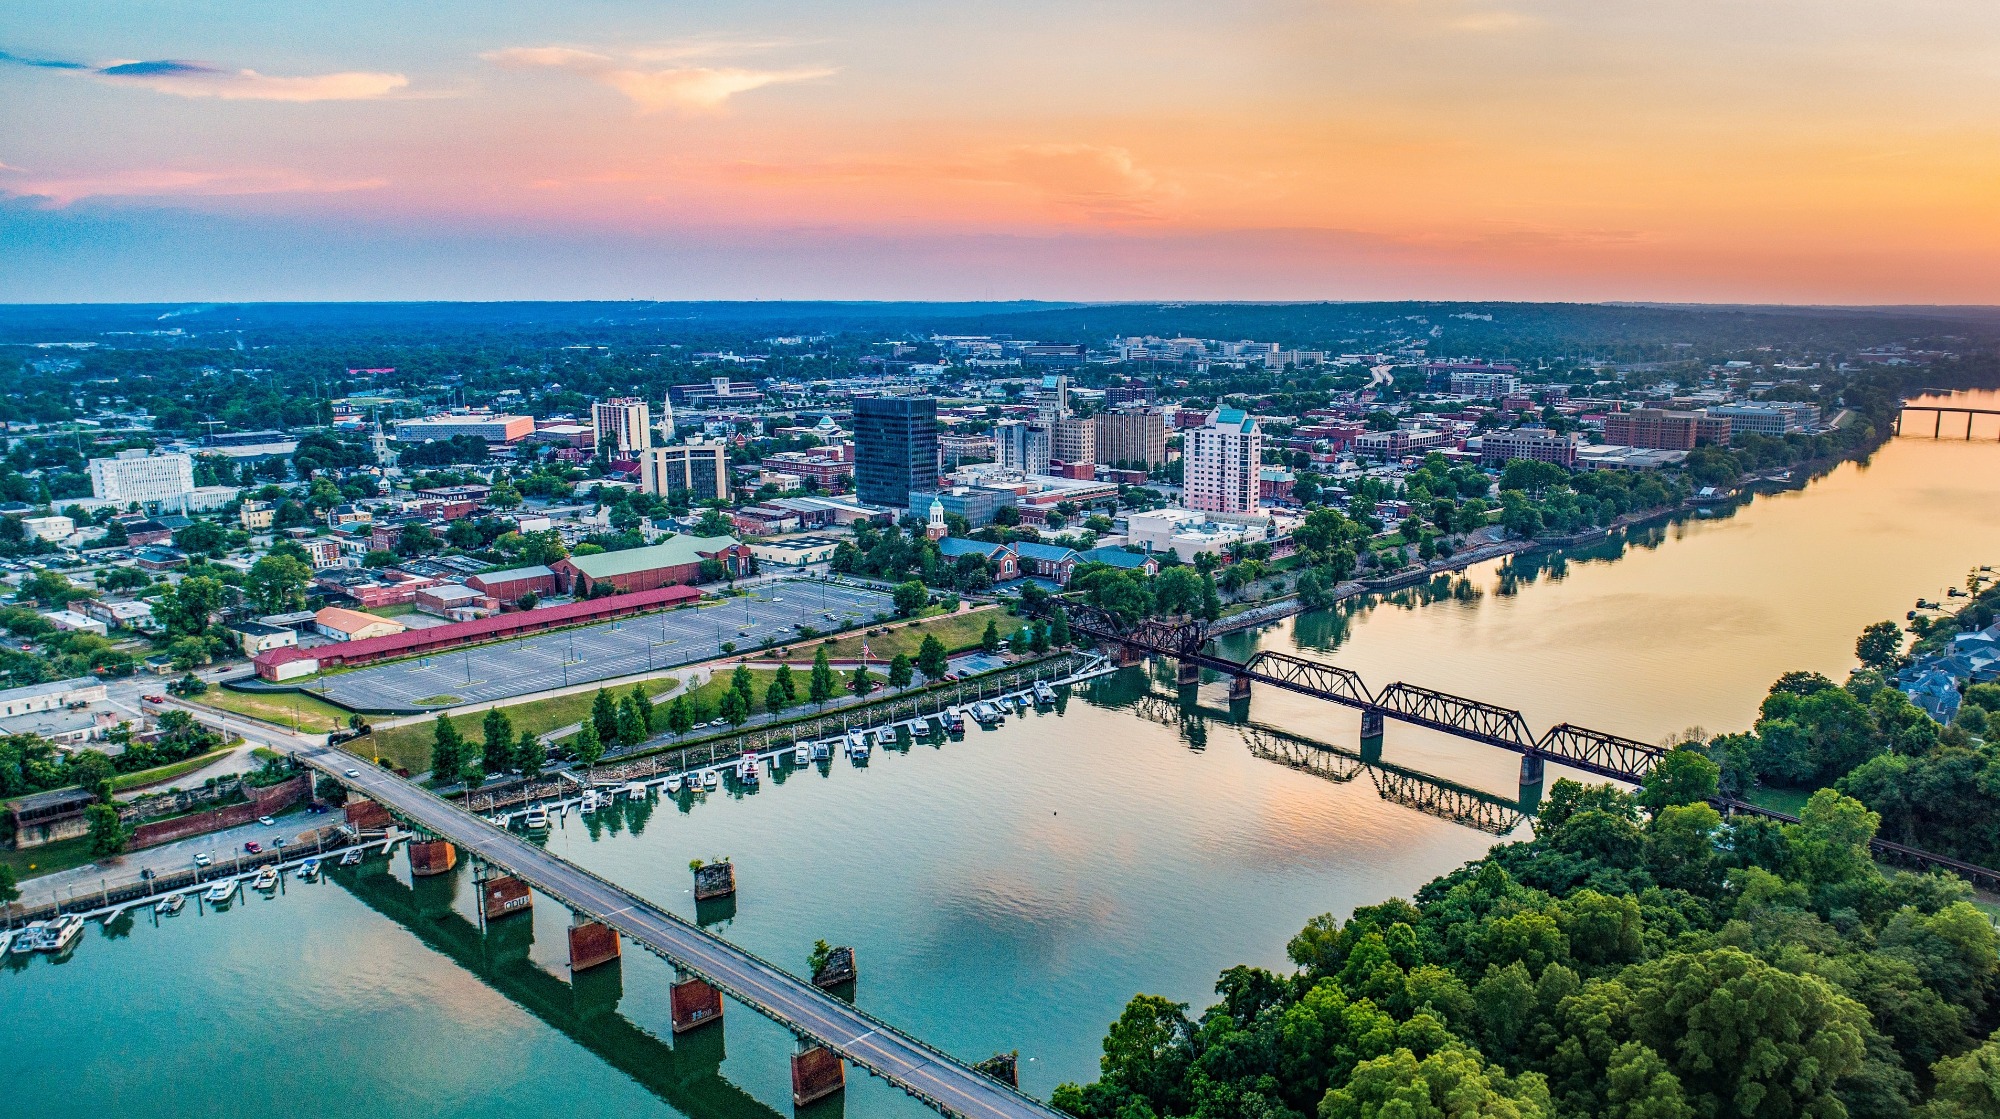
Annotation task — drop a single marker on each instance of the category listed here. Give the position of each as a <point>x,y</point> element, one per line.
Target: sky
<point>1794,151</point>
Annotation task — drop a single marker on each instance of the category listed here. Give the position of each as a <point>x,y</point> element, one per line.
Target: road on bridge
<point>859,1038</point>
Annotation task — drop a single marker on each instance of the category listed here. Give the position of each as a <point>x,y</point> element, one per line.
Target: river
<point>1009,891</point>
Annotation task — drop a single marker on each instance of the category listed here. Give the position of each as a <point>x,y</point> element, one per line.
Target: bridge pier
<point>1187,674</point>
<point>694,1004</point>
<point>817,1073</point>
<point>432,856</point>
<point>1371,732</point>
<point>1239,687</point>
<point>1532,766</point>
<point>1129,655</point>
<point>591,943</point>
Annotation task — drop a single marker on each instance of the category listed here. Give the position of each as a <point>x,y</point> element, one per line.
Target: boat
<point>635,789</point>
<point>170,905</point>
<point>353,854</point>
<point>857,740</point>
<point>986,714</point>
<point>954,721</point>
<point>746,769</point>
<point>29,939</point>
<point>538,818</point>
<point>61,932</point>
<point>1044,694</point>
<point>709,780</point>
<point>309,870</point>
<point>920,728</point>
<point>267,879</point>
<point>588,803</point>
<point>674,785</point>
<point>821,751</point>
<point>221,891</point>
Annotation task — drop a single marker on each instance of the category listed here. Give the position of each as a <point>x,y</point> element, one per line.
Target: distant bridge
<point>1590,751</point>
<point>1938,413</point>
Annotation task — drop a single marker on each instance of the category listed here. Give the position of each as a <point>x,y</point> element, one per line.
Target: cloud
<point>184,78</point>
<point>686,88</point>
<point>168,182</point>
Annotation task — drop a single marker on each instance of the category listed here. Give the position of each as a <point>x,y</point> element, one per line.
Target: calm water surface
<point>1009,891</point>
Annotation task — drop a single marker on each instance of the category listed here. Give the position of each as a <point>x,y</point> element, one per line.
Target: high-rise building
<point>1655,428</point>
<point>1537,444</point>
<point>699,470</point>
<point>895,448</point>
<point>1022,447</point>
<point>1073,440</point>
<point>1223,456</point>
<point>624,425</point>
<point>1132,437</point>
<point>147,479</point>
<point>1053,402</point>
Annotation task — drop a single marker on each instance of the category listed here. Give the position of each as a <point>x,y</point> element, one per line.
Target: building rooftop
<point>675,551</point>
<point>50,687</point>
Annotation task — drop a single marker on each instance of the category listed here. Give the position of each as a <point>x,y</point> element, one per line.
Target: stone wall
<point>264,801</point>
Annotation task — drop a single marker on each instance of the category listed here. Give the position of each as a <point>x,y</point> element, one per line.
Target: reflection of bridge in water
<point>685,1075</point>
<point>1424,792</point>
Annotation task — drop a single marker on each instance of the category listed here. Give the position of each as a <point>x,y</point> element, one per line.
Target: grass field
<point>958,632</point>
<point>1779,800</point>
<point>47,859</point>
<point>409,745</point>
<point>161,774</point>
<point>315,716</point>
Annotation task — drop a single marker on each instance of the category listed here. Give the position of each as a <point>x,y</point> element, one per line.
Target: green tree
<point>784,680</point>
<point>644,704</point>
<point>1879,645</point>
<point>588,746</point>
<point>820,686</point>
<point>530,755</point>
<point>931,659</point>
<point>1450,1083</point>
<point>447,750</point>
<point>108,835</point>
<point>989,641</point>
<point>680,715</point>
<point>1683,776</point>
<point>734,710</point>
<point>860,683</point>
<point>774,698</point>
<point>631,727</point>
<point>1968,1086</point>
<point>1148,1050</point>
<point>604,715</point>
<point>472,773</point>
<point>901,671</point>
<point>910,597</point>
<point>277,583</point>
<point>1038,640</point>
<point>1059,635</point>
<point>92,771</point>
<point>743,684</point>
<point>497,755</point>
<point>189,608</point>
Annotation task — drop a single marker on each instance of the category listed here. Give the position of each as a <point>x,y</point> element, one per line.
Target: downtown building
<point>698,470</point>
<point>1022,447</point>
<point>1536,444</point>
<point>1138,437</point>
<point>1223,459</point>
<point>135,476</point>
<point>623,426</point>
<point>895,448</point>
<point>1661,430</point>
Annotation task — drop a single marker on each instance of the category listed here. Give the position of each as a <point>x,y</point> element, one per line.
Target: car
<point>156,699</point>
<point>253,847</point>
<point>354,773</point>
<point>267,821</point>
<point>202,859</point>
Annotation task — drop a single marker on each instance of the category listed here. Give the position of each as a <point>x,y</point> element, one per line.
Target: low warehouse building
<point>676,560</point>
<point>353,625</point>
<point>508,586</point>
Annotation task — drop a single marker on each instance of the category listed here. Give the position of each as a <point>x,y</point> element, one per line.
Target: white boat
<point>221,891</point>
<point>29,939</point>
<point>954,721</point>
<point>674,785</point>
<point>920,728</point>
<point>710,780</point>
<point>267,879</point>
<point>588,803</point>
<point>309,870</point>
<point>746,770</point>
<point>353,854</point>
<point>635,789</point>
<point>1044,694</point>
<point>857,741</point>
<point>801,753</point>
<point>986,714</point>
<point>61,932</point>
<point>538,818</point>
<point>821,751</point>
<point>170,905</point>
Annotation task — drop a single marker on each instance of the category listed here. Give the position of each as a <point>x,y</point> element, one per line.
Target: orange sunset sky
<point>1753,150</point>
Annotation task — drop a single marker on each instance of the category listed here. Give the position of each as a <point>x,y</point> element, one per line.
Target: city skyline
<point>1693,151</point>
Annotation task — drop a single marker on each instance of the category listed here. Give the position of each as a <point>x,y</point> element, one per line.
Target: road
<point>859,1038</point>
<point>222,847</point>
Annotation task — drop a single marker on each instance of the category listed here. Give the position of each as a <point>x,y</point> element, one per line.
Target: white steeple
<point>937,529</point>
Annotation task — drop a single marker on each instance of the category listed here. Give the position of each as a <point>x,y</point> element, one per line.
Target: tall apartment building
<point>895,448</point>
<point>1052,403</point>
<point>623,425</point>
<point>1132,437</point>
<point>147,479</point>
<point>1223,457</point>
<point>1537,444</point>
<point>700,470</point>
<point>1659,429</point>
<point>1073,440</point>
<point>1022,447</point>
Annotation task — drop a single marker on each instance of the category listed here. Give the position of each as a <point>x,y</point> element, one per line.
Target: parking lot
<point>771,611</point>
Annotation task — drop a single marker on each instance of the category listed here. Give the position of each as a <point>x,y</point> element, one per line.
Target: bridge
<point>1939,411</point>
<point>818,1019</point>
<point>1595,752</point>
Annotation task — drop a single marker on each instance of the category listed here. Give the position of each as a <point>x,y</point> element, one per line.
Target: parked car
<point>267,821</point>
<point>156,699</point>
<point>253,847</point>
<point>202,859</point>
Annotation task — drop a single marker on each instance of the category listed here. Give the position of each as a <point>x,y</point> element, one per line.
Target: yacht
<point>309,870</point>
<point>674,785</point>
<point>857,740</point>
<point>170,905</point>
<point>986,714</point>
<point>920,728</point>
<point>267,879</point>
<point>353,854</point>
<point>746,770</point>
<point>29,939</point>
<point>801,753</point>
<point>61,932</point>
<point>221,891</point>
<point>1044,694</point>
<point>954,721</point>
<point>709,780</point>
<point>588,803</point>
<point>538,818</point>
<point>635,789</point>
<point>821,751</point>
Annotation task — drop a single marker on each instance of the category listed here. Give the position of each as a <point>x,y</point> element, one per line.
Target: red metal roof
<point>481,629</point>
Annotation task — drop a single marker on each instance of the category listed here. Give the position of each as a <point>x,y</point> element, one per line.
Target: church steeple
<point>937,529</point>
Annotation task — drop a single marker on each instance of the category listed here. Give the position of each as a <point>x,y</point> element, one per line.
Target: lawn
<point>314,715</point>
<point>958,632</point>
<point>48,858</point>
<point>1788,801</point>
<point>409,746</point>
<point>162,774</point>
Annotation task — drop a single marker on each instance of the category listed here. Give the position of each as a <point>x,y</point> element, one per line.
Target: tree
<point>472,773</point>
<point>820,687</point>
<point>277,583</point>
<point>1879,645</point>
<point>530,755</point>
<point>1059,635</point>
<point>107,832</point>
<point>587,745</point>
<point>733,709</point>
<point>644,704</point>
<point>93,771</point>
<point>784,680</point>
<point>631,728</point>
<point>989,642</point>
<point>680,715</point>
<point>1683,776</point>
<point>447,751</point>
<point>1038,640</point>
<point>187,609</point>
<point>775,699</point>
<point>604,716</point>
<point>860,683</point>
<point>498,754</point>
<point>931,659</point>
<point>901,671</point>
<point>743,684</point>
<point>910,597</point>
